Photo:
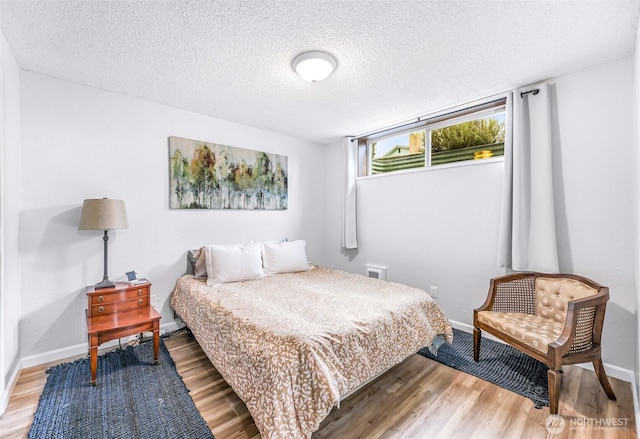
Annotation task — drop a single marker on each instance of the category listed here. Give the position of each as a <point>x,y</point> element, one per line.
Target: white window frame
<point>453,116</point>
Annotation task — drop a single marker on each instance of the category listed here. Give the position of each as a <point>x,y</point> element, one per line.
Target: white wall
<point>79,142</point>
<point>429,228</point>
<point>436,227</point>
<point>10,202</point>
<point>440,227</point>
<point>595,113</point>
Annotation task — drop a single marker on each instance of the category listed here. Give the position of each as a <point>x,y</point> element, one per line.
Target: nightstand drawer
<point>103,298</point>
<point>120,306</point>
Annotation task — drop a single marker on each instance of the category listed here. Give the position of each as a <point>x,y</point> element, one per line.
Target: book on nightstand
<point>136,281</point>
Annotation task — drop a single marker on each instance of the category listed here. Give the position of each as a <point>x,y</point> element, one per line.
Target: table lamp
<point>103,214</point>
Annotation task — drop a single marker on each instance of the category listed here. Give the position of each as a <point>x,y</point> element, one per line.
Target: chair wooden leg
<point>554,378</point>
<point>477,335</point>
<point>604,381</point>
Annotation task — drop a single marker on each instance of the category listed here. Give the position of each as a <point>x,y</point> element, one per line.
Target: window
<point>398,152</point>
<point>471,134</point>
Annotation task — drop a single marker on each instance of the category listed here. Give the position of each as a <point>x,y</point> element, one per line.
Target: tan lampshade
<point>103,214</point>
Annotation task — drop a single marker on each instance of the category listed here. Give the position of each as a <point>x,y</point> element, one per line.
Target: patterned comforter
<point>291,345</point>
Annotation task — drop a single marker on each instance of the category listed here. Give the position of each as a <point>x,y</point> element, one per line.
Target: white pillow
<point>284,257</point>
<point>232,263</point>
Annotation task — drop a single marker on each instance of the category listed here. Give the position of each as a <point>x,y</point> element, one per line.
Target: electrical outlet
<point>433,291</point>
<point>155,302</point>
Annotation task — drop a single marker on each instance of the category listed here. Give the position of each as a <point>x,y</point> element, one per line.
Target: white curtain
<point>349,217</point>
<point>527,239</point>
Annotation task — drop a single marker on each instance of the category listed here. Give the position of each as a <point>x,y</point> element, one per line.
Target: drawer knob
<point>101,309</point>
<point>100,298</point>
<point>140,301</point>
<point>139,292</point>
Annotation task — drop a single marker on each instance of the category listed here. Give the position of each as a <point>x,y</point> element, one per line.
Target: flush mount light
<point>314,66</point>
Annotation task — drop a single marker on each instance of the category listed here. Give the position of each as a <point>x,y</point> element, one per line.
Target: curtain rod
<point>535,91</point>
<point>489,101</point>
<point>387,129</point>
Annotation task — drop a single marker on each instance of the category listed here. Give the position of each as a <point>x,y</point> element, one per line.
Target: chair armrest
<point>511,293</point>
<point>583,324</point>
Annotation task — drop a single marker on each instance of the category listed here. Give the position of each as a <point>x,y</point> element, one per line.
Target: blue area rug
<point>499,364</point>
<point>133,398</point>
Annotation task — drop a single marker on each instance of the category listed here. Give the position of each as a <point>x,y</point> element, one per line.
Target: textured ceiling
<point>231,59</point>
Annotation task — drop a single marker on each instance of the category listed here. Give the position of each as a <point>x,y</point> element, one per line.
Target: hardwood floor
<point>419,398</point>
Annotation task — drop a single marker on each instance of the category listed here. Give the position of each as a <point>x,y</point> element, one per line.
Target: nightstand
<point>119,312</point>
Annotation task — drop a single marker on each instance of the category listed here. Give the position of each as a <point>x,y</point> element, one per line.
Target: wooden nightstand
<point>118,312</point>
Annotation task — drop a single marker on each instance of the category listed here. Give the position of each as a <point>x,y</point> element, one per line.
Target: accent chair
<point>554,318</point>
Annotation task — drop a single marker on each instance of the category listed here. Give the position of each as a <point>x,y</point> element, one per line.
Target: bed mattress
<point>292,345</point>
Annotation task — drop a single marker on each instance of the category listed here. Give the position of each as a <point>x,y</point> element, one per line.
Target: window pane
<point>473,140</point>
<point>459,136</point>
<point>396,153</point>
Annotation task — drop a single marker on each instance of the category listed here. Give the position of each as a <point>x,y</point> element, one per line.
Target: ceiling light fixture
<point>314,66</point>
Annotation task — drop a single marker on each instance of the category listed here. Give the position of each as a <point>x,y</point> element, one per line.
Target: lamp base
<point>106,283</point>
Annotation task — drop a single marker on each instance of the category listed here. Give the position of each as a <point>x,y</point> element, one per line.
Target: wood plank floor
<point>419,398</point>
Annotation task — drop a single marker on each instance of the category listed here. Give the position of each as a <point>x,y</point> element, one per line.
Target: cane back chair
<point>554,318</point>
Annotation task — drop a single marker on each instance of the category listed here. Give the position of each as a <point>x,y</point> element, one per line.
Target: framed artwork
<point>206,175</point>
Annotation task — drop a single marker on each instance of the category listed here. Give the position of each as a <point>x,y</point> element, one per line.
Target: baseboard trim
<point>611,369</point>
<point>82,348</point>
<point>11,383</point>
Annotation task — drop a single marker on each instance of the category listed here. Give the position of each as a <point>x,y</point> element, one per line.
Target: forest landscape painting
<point>207,175</point>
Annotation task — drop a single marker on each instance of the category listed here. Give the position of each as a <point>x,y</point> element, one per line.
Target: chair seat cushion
<point>532,330</point>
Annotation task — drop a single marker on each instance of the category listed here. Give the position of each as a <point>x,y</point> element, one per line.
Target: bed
<point>293,344</point>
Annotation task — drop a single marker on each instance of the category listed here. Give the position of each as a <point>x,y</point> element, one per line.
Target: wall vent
<point>375,271</point>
